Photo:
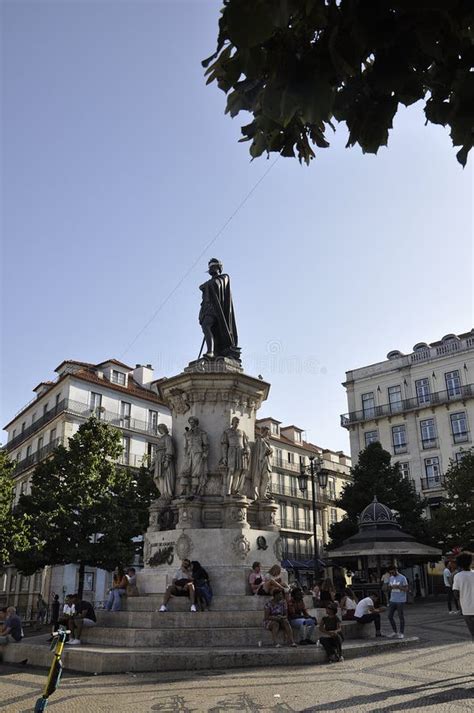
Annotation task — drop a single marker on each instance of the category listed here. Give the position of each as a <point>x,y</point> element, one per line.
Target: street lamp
<point>315,468</point>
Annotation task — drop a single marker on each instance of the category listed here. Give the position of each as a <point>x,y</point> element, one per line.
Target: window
<point>23,426</point>
<point>3,582</point>
<point>13,583</point>
<point>459,427</point>
<point>368,405</point>
<point>28,452</point>
<point>274,429</point>
<point>13,433</point>
<point>126,449</point>
<point>428,433</point>
<point>294,486</point>
<point>371,437</point>
<point>295,515</point>
<point>118,377</point>
<point>24,583</point>
<point>23,487</point>
<point>291,457</point>
<point>152,421</point>
<point>281,483</point>
<point>333,515</point>
<point>307,518</point>
<point>405,469</point>
<point>39,445</point>
<point>45,409</point>
<point>433,474</point>
<point>278,457</point>
<point>453,383</point>
<point>58,399</point>
<point>423,391</point>
<point>89,581</point>
<point>96,403</point>
<point>297,437</point>
<point>52,435</point>
<point>399,439</point>
<point>33,417</point>
<point>395,398</point>
<point>283,518</point>
<point>18,456</point>
<point>331,488</point>
<point>125,409</point>
<point>460,455</point>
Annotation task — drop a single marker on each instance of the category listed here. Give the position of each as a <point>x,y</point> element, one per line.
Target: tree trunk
<point>80,587</point>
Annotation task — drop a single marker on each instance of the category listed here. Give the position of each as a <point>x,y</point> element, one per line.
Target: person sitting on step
<point>348,604</point>
<point>276,618</point>
<point>368,610</point>
<point>272,580</point>
<point>300,620</point>
<point>181,586</point>
<point>202,586</point>
<point>331,634</point>
<point>118,590</point>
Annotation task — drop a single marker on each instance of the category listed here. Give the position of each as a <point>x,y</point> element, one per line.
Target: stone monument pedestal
<point>226,534</point>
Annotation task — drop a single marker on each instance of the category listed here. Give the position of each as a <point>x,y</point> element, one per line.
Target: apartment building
<point>290,451</point>
<point>419,406</point>
<point>120,395</point>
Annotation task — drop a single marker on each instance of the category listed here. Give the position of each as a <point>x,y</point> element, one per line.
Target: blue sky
<point>119,168</point>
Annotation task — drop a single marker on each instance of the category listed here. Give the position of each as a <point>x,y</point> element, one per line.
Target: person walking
<point>448,574</point>
<point>398,588</point>
<point>463,587</point>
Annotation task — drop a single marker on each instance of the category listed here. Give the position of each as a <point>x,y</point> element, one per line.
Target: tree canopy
<point>13,530</point>
<point>454,521</point>
<point>298,65</point>
<point>374,474</point>
<point>84,508</point>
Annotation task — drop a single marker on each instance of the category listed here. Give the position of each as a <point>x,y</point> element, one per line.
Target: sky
<point>122,176</point>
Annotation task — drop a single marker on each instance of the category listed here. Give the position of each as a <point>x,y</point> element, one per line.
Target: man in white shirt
<point>448,574</point>
<point>398,588</point>
<point>368,610</point>
<point>463,587</point>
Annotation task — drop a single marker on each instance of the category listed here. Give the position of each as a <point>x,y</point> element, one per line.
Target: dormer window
<point>118,377</point>
<point>275,429</point>
<point>297,437</point>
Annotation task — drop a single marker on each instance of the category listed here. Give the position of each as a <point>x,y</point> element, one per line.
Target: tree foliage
<point>374,474</point>
<point>84,508</point>
<point>296,65</point>
<point>13,530</point>
<point>454,521</point>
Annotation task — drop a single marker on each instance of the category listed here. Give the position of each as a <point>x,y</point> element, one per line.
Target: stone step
<point>90,658</point>
<point>192,625</point>
<point>232,602</point>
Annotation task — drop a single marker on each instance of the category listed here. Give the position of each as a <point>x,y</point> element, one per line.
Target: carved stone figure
<point>193,476</point>
<point>216,315</point>
<point>164,473</point>
<point>235,459</point>
<point>261,465</point>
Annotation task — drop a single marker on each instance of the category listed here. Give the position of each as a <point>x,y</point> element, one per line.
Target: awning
<point>385,548</point>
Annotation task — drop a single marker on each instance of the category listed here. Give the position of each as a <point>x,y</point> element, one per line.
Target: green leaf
<point>249,22</point>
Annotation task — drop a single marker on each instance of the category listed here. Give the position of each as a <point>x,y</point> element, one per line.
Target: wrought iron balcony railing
<point>433,482</point>
<point>77,408</point>
<point>416,403</point>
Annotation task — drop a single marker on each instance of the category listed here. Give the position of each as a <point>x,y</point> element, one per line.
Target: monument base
<point>226,554</point>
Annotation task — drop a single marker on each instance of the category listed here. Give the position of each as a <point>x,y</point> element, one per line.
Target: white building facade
<point>419,406</point>
<point>295,512</point>
<point>120,395</point>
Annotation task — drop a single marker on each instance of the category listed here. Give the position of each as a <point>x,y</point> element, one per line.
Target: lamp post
<point>313,471</point>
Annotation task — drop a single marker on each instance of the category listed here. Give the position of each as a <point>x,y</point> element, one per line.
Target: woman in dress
<point>276,618</point>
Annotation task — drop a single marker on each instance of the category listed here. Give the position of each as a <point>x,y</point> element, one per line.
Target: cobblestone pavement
<point>436,675</point>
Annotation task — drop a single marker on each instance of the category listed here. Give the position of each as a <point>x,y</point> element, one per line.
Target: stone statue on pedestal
<point>216,315</point>
<point>194,474</point>
<point>261,464</point>
<point>164,473</point>
<point>235,459</point>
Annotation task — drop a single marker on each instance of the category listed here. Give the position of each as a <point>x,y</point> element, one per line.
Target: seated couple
<point>265,584</point>
<point>289,617</point>
<point>192,581</point>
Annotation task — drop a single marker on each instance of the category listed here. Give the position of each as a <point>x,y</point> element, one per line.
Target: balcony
<point>82,410</point>
<point>461,437</point>
<point>322,496</point>
<point>427,443</point>
<point>37,456</point>
<point>299,525</point>
<point>284,465</point>
<point>414,404</point>
<point>433,482</point>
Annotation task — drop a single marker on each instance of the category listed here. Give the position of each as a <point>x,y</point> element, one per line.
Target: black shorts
<point>180,592</point>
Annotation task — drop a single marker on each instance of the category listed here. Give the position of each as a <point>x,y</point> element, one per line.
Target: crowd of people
<point>285,612</point>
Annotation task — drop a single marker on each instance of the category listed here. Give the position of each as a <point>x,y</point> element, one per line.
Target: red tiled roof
<point>115,361</point>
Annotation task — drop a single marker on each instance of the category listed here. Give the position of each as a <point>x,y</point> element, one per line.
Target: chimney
<point>143,375</point>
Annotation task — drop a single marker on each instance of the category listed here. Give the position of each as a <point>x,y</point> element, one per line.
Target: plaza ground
<point>434,675</point>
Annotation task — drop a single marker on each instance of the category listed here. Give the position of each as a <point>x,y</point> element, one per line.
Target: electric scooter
<point>56,669</point>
